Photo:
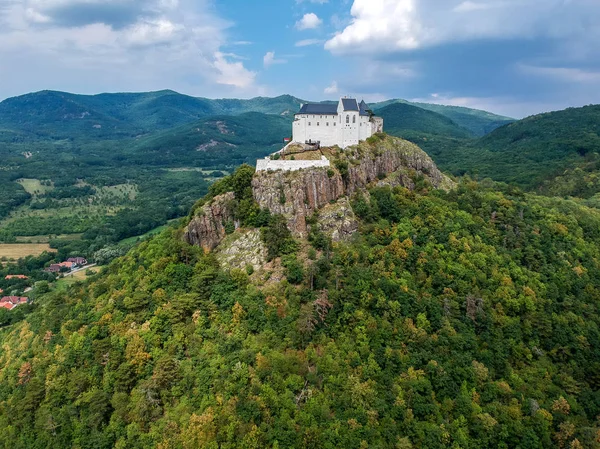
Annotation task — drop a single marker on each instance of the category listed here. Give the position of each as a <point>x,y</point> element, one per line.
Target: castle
<point>318,124</point>
<point>344,124</point>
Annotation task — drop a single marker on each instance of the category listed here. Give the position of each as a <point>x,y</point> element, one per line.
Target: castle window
<point>347,119</point>
<point>308,123</point>
<point>334,123</point>
<point>327,123</point>
<point>354,119</point>
<point>317,123</point>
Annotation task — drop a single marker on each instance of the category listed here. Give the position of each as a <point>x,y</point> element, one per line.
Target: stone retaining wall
<point>268,164</point>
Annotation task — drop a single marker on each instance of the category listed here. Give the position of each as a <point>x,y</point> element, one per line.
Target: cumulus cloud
<point>232,73</point>
<point>269,59</point>
<point>309,21</point>
<point>404,25</point>
<point>332,89</point>
<point>118,44</point>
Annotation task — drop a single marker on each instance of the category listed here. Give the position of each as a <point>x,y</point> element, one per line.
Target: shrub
<point>294,271</point>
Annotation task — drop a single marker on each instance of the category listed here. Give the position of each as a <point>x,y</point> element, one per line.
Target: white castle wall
<point>323,128</point>
<point>344,129</point>
<point>268,164</point>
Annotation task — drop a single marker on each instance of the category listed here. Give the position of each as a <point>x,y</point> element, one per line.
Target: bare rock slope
<point>383,159</point>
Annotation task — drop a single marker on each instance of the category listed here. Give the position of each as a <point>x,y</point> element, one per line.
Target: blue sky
<point>513,57</point>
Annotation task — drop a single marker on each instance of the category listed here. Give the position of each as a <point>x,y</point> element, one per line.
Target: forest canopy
<point>464,319</point>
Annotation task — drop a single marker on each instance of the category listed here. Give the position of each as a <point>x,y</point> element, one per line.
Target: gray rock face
<point>207,228</point>
<point>241,249</point>
<point>297,195</point>
<point>338,220</point>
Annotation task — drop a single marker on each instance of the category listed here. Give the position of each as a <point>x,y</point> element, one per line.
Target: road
<point>80,269</point>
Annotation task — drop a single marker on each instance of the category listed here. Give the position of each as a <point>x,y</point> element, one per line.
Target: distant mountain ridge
<point>477,121</point>
<point>110,115</point>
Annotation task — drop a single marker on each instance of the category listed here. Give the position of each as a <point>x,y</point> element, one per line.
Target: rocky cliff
<point>386,160</point>
<point>207,228</point>
<point>297,195</point>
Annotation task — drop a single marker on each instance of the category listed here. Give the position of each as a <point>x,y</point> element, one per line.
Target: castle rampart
<point>268,164</point>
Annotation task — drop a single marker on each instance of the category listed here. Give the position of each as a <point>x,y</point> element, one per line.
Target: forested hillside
<point>400,117</point>
<point>556,152</point>
<point>478,122</point>
<point>464,319</point>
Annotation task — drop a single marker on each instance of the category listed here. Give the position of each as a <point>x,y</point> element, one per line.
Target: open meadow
<point>15,251</point>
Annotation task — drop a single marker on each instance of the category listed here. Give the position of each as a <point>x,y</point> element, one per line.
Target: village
<point>23,284</point>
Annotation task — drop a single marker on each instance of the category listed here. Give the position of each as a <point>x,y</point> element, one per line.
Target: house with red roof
<point>16,276</point>
<point>10,302</point>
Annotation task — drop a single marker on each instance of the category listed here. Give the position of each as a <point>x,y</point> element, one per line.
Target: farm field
<point>47,238</point>
<point>34,186</point>
<point>15,251</point>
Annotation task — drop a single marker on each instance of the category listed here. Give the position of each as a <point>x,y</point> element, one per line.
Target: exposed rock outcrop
<point>297,195</point>
<point>207,228</point>
<point>338,220</point>
<point>242,248</point>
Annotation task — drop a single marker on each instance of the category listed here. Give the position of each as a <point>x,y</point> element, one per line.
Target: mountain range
<point>60,114</point>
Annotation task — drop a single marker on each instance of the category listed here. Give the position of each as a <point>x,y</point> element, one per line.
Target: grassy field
<point>63,283</point>
<point>47,238</point>
<point>34,186</point>
<point>14,251</point>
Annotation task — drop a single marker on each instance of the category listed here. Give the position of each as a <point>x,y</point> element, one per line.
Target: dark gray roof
<point>363,107</point>
<point>319,109</point>
<point>349,104</point>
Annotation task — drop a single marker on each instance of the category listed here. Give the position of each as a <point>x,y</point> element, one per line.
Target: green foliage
<point>294,270</point>
<point>534,153</point>
<point>399,117</point>
<point>278,238</point>
<point>477,122</point>
<point>342,167</point>
<point>460,319</point>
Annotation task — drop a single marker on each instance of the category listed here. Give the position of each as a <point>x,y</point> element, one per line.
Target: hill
<point>476,121</point>
<point>401,117</point>
<point>55,115</point>
<point>435,133</point>
<point>217,141</point>
<point>460,319</point>
<point>539,152</point>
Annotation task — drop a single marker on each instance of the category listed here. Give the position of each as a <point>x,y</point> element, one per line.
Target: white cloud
<point>380,26</point>
<point>332,89</point>
<point>152,32</point>
<point>232,73</point>
<point>309,21</point>
<point>269,59</point>
<point>90,46</point>
<point>307,42</point>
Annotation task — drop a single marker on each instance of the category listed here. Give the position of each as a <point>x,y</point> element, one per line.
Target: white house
<point>344,124</point>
